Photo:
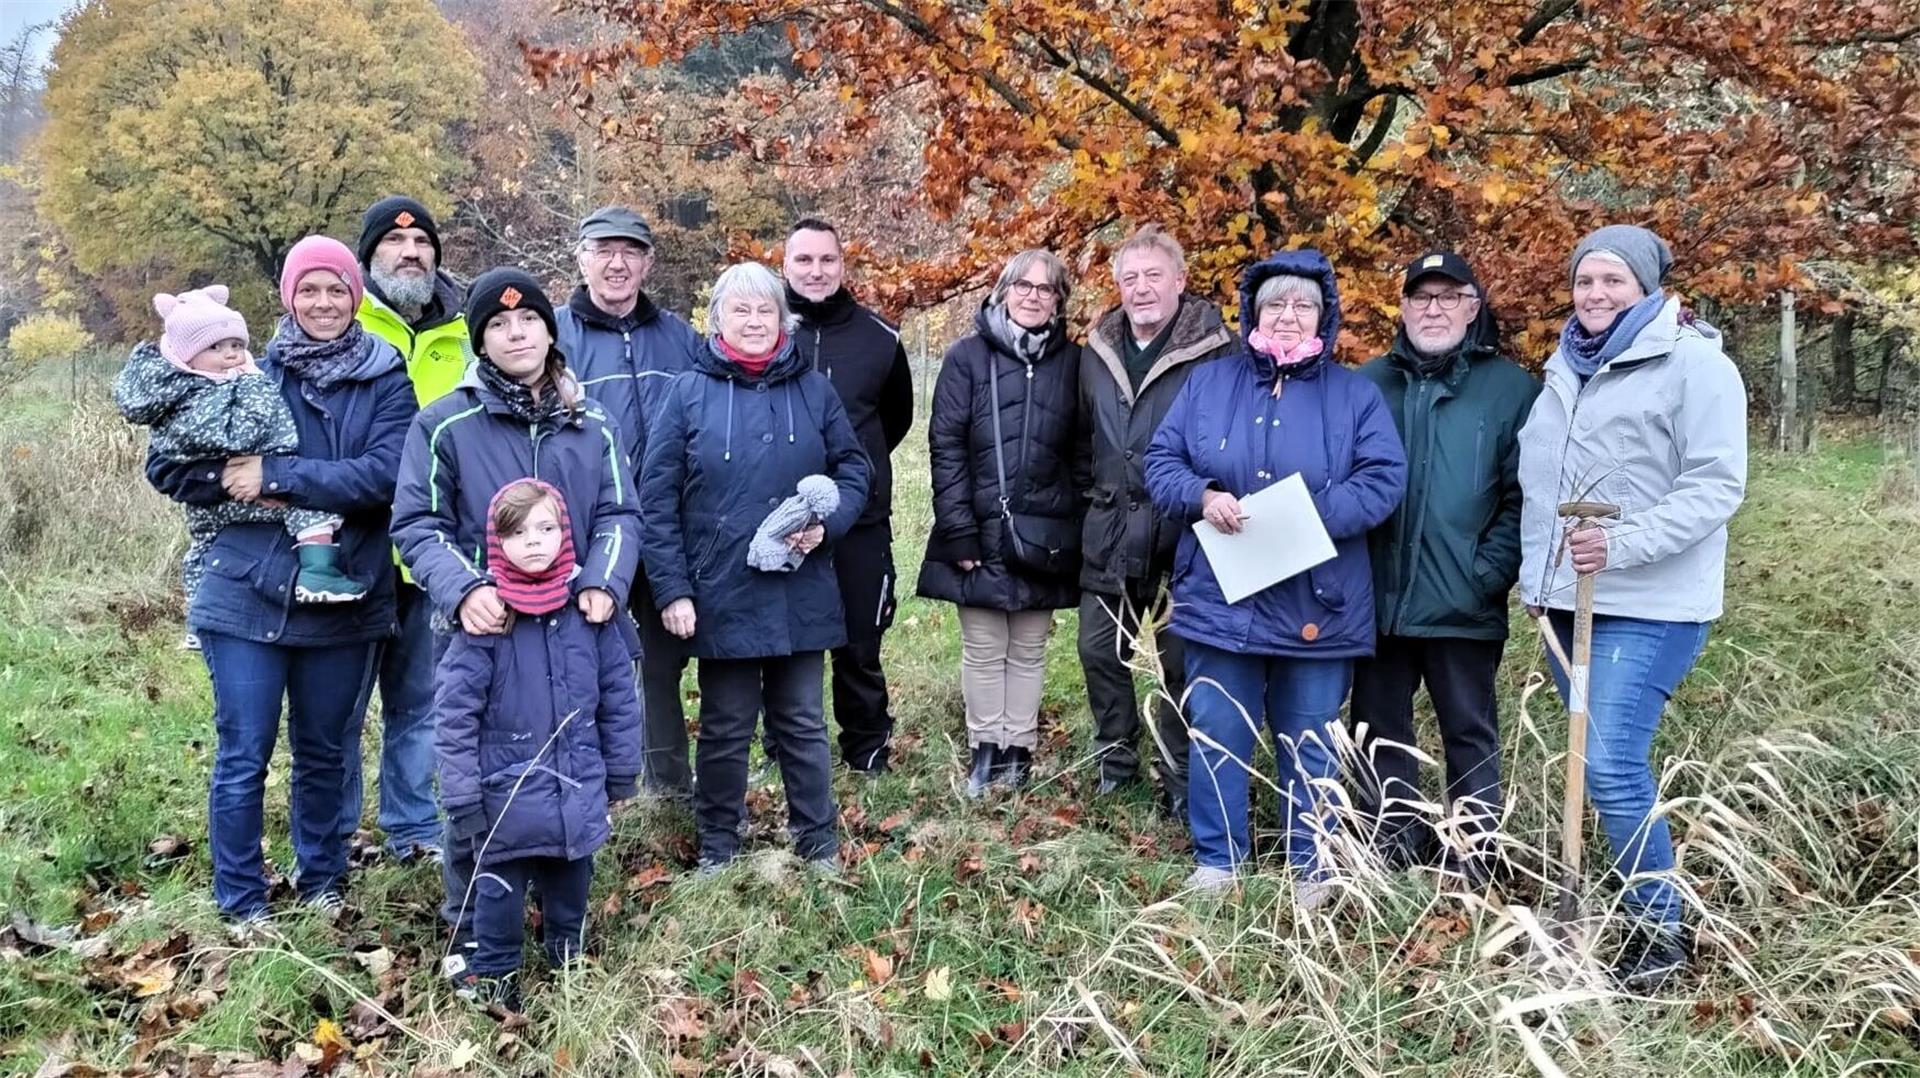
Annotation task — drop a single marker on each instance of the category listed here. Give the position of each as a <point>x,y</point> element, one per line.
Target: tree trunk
<point>1844,360</point>
<point>1787,437</point>
<point>1889,349</point>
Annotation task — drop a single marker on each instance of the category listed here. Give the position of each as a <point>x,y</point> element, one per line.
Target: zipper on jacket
<point>1026,426</point>
<point>1411,522</point>
<point>1560,466</point>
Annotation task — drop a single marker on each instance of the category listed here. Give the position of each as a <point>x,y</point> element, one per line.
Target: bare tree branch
<point>919,27</point>
<point>1099,84</point>
<point>1542,18</point>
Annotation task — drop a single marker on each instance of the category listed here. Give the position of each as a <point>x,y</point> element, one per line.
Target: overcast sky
<point>16,15</point>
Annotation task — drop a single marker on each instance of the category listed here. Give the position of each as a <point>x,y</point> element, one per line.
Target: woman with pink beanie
<point>343,401</point>
<point>201,395</point>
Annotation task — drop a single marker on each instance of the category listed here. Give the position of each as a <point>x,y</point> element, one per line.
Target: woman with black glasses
<point>1007,506</point>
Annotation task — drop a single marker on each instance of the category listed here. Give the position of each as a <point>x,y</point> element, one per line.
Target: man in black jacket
<point>1444,562</point>
<point>1138,356</point>
<point>861,354</point>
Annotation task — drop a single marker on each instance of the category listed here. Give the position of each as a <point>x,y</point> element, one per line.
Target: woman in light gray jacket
<point>1643,410</point>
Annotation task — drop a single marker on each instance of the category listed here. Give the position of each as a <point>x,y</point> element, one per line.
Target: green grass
<point>1057,925</point>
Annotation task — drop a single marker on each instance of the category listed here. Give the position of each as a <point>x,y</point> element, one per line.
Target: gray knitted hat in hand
<point>816,501</point>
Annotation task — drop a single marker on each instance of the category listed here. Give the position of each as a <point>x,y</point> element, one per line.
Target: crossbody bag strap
<point>999,454</point>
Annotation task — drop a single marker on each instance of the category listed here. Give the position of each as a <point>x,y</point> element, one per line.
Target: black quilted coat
<point>1038,425</point>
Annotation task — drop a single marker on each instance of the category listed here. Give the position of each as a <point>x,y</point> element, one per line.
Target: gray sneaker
<point>328,904</point>
<point>1209,879</point>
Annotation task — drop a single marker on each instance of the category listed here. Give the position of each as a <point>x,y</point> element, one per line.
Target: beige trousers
<point>1003,671</point>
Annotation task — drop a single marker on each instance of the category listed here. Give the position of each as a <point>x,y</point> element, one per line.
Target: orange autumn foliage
<point>1752,134</point>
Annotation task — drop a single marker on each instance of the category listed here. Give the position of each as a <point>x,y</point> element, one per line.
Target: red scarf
<point>754,366</point>
<point>532,593</point>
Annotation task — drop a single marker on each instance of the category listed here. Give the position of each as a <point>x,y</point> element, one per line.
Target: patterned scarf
<point>546,410</point>
<point>1027,345</point>
<point>320,363</point>
<point>529,592</point>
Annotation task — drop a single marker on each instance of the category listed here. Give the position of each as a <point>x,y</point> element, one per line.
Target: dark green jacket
<point>1444,562</point>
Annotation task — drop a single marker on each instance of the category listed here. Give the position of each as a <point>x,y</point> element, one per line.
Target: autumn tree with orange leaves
<point>1752,134</point>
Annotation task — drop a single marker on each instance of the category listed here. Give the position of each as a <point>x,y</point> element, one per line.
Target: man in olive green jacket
<point>1443,565</point>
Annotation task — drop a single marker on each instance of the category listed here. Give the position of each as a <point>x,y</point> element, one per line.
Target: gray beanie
<point>1646,254</point>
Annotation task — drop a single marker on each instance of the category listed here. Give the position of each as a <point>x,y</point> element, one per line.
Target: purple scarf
<point>1587,352</point>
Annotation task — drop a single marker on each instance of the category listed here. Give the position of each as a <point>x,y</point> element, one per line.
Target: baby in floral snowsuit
<point>201,396</point>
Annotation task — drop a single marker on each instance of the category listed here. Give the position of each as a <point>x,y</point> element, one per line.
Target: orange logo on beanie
<point>404,220</point>
<point>510,298</point>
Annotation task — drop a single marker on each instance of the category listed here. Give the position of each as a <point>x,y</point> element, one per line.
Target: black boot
<point>1653,955</point>
<point>1016,766</point>
<point>500,992</point>
<point>986,760</point>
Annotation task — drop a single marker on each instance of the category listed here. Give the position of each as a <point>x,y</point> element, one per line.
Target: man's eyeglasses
<point>1023,289</point>
<point>604,255</point>
<point>1448,301</point>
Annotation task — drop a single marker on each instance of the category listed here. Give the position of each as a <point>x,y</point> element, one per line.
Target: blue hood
<point>1307,263</point>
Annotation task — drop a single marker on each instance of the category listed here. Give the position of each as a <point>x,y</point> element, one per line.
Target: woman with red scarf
<point>538,732</point>
<point>733,439</point>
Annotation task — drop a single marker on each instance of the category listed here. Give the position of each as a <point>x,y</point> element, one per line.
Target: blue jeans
<point>1298,700</point>
<point>324,690</point>
<point>1637,665</point>
<point>409,813</point>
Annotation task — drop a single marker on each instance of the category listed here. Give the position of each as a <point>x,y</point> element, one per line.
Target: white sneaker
<point>1310,895</point>
<point>328,904</point>
<point>1207,878</point>
<point>251,929</point>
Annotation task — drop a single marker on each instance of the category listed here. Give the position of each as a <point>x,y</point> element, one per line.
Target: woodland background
<point>171,143</point>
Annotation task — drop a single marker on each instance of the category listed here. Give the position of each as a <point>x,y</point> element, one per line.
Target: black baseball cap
<point>1439,264</point>
<point>616,222</point>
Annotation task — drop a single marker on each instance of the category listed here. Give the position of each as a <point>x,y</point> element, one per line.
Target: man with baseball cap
<point>1442,566</point>
<point>412,304</point>
<point>626,350</point>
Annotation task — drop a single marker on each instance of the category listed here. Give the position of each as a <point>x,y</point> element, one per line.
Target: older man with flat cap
<point>1443,564</point>
<point>626,350</point>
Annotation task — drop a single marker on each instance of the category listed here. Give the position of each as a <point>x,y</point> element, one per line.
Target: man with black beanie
<point>861,354</point>
<point>1442,566</point>
<point>412,304</point>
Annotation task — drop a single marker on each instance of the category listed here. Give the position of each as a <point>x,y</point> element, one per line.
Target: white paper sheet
<point>1283,537</point>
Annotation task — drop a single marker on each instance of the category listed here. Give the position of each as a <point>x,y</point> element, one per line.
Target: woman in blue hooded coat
<point>1283,657</point>
<point>731,442</point>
